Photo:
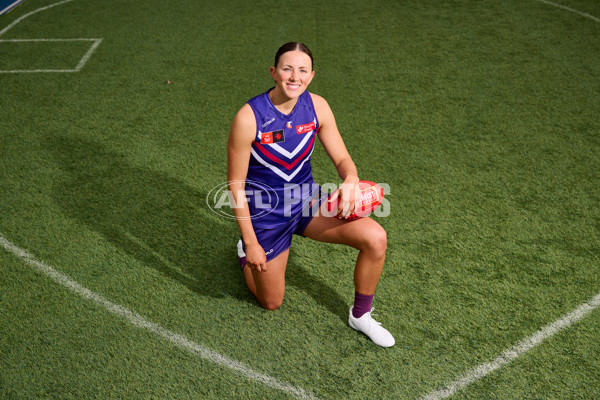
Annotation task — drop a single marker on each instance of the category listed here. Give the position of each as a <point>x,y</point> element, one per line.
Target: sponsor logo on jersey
<point>300,129</point>
<point>289,125</point>
<point>272,137</point>
<point>268,122</point>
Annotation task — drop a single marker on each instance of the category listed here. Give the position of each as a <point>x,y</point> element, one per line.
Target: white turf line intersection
<point>140,322</point>
<point>82,62</point>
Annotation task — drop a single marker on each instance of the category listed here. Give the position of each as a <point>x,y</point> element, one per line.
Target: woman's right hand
<point>256,258</point>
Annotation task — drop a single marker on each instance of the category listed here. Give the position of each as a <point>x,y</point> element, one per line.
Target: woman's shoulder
<point>318,100</point>
<point>245,112</point>
<point>321,107</point>
<point>244,118</point>
<point>320,104</point>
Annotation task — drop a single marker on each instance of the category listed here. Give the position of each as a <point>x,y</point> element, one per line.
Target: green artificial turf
<point>482,117</point>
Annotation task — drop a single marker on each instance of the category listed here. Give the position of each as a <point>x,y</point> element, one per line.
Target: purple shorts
<point>276,240</point>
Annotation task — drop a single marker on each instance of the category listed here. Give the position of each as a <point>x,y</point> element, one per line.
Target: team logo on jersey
<point>300,129</point>
<point>272,137</point>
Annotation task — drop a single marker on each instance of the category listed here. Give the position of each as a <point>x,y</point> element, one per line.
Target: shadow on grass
<point>149,215</point>
<point>161,222</point>
<point>322,293</point>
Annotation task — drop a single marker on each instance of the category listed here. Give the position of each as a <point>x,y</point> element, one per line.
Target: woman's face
<point>293,73</point>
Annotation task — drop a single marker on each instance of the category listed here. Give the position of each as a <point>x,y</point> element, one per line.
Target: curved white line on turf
<point>570,9</point>
<point>140,322</point>
<point>517,350</point>
<point>530,342</point>
<point>16,21</point>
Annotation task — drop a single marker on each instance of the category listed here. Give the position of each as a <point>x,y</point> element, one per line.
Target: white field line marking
<point>526,344</point>
<point>517,350</point>
<point>530,342</point>
<point>87,55</point>
<point>11,6</point>
<point>84,59</point>
<point>79,66</point>
<point>140,322</point>
<point>570,9</point>
<point>16,21</point>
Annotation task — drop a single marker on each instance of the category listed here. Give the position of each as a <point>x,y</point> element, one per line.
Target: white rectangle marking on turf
<point>80,64</point>
<point>140,322</point>
<point>517,350</point>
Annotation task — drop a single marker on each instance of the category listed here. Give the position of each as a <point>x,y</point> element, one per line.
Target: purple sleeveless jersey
<point>279,184</point>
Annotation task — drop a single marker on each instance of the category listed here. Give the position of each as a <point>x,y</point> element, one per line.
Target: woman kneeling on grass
<point>269,149</point>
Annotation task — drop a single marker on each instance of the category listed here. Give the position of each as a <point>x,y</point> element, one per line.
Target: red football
<point>371,195</point>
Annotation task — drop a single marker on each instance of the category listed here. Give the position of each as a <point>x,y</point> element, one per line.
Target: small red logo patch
<point>266,138</point>
<point>272,137</point>
<point>300,129</point>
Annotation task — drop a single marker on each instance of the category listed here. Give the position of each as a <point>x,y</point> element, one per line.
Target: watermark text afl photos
<point>265,199</point>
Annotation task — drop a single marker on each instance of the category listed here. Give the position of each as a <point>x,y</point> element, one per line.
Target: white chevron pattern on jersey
<point>274,168</point>
<point>271,151</point>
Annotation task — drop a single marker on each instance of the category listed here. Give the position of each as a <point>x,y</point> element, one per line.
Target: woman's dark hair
<point>292,46</point>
